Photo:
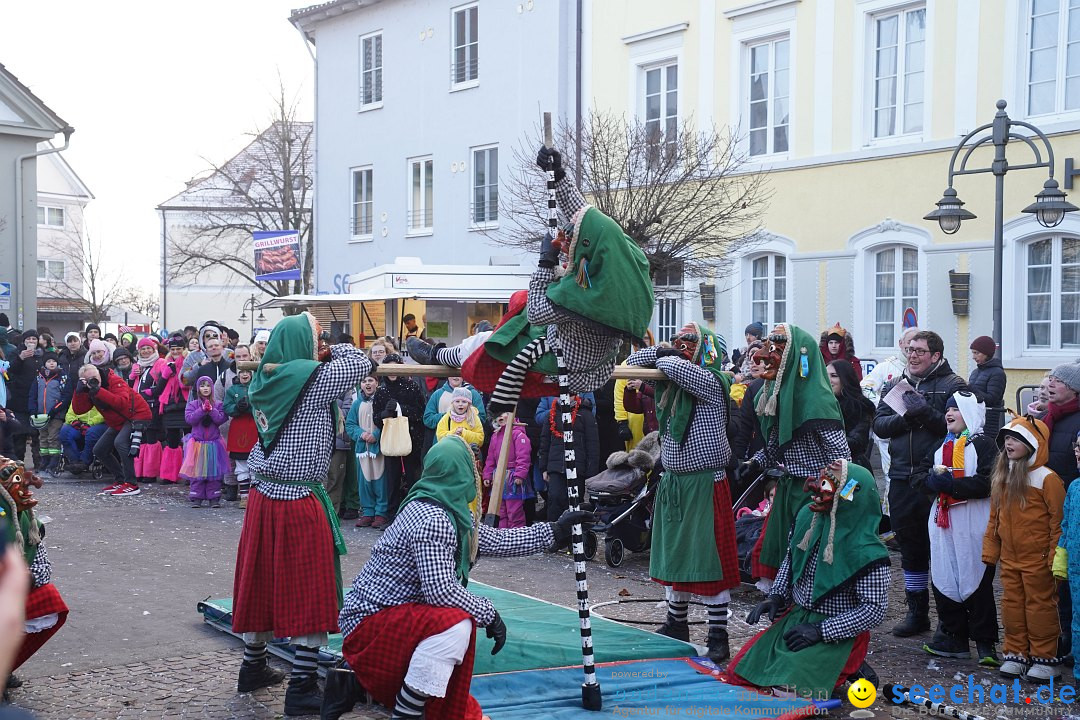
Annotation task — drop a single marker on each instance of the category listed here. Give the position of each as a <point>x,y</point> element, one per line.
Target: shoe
<point>986,654</point>
<point>243,502</point>
<point>1042,672</point>
<point>341,693</point>
<point>230,493</point>
<point>918,615</point>
<point>14,681</point>
<point>948,646</point>
<point>1013,666</point>
<point>421,352</point>
<point>147,480</point>
<point>719,651</point>
<point>673,629</point>
<point>365,521</point>
<point>865,672</point>
<point>110,489</point>
<point>257,675</point>
<point>302,697</point>
<point>125,490</point>
<point>350,514</point>
<point>77,468</point>
<point>196,504</point>
<point>215,503</point>
<point>379,522</point>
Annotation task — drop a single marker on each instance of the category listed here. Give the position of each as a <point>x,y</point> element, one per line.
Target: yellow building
<point>854,107</point>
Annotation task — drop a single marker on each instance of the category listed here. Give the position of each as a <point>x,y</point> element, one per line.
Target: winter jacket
<point>436,408</point>
<point>91,417</point>
<point>117,402</point>
<point>47,394</point>
<point>21,377</point>
<point>404,392</point>
<point>847,352</point>
<point>242,430</point>
<point>543,408</point>
<point>149,383</point>
<point>744,428</point>
<point>196,415</point>
<point>889,369</point>
<point>471,429</point>
<point>6,347</point>
<point>352,425</point>
<point>518,464</point>
<point>71,362</point>
<point>222,372</point>
<point>586,444</point>
<point>1062,436</point>
<point>642,402</point>
<point>988,381</point>
<point>858,415</point>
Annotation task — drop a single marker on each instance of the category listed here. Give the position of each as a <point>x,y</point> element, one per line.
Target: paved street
<point>133,569</point>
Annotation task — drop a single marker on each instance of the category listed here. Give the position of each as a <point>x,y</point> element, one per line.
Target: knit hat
<point>461,393</point>
<point>98,346</point>
<point>176,340</point>
<point>984,344</point>
<point>146,342</point>
<point>72,335</point>
<point>30,333</point>
<point>756,329</point>
<point>49,355</point>
<point>262,336</point>
<point>1068,373</point>
<point>121,352</point>
<point>93,326</point>
<point>204,380</point>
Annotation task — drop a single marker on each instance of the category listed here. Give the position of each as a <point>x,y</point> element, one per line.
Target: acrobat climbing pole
<point>590,689</point>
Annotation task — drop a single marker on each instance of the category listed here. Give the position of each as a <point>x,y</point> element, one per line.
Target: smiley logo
<point>862,693</point>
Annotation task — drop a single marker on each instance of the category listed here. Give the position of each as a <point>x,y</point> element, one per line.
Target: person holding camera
<point>125,412</point>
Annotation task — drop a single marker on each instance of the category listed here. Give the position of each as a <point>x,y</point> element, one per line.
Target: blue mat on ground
<point>643,688</point>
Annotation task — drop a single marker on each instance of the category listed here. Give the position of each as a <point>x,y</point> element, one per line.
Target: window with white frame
<point>898,62</point>
<point>1052,306</point>
<point>660,105</point>
<point>896,288</point>
<point>421,195</point>
<point>50,270</point>
<point>371,67</point>
<point>768,99</point>
<point>465,68</point>
<point>363,203</point>
<point>669,297</point>
<point>1053,72</point>
<point>485,202</point>
<point>768,289</point>
<point>50,216</point>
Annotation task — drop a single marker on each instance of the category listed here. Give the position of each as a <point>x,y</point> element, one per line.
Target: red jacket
<point>116,402</point>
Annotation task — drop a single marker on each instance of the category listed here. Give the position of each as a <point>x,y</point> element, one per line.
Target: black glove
<point>625,433</point>
<point>497,632</point>
<point>916,405</point>
<point>549,253</point>
<point>802,636</point>
<point>389,411</point>
<point>771,605</point>
<point>942,483</point>
<point>206,421</point>
<point>172,366</point>
<point>243,404</point>
<point>562,528</point>
<point>745,472</point>
<point>548,159</point>
<point>668,352</point>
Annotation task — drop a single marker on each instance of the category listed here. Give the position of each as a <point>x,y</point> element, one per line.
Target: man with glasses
<point>913,435</point>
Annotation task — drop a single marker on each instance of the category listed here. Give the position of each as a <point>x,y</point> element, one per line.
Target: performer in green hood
<point>836,571</point>
<point>803,429</point>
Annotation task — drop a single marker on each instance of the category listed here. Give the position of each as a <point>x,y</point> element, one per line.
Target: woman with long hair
<point>858,412</point>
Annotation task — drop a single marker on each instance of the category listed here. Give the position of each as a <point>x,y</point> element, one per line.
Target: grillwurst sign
<point>277,255</point>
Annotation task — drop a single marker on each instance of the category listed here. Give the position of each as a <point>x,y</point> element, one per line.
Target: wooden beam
<point>622,372</point>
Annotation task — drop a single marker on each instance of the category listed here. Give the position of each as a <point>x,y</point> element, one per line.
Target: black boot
<point>718,645</point>
<point>302,697</point>
<point>422,352</point>
<point>341,693</point>
<point>674,629</point>
<point>918,615</point>
<point>257,675</point>
<point>230,493</point>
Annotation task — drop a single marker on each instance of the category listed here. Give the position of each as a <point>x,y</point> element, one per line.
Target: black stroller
<point>622,496</point>
<point>748,527</point>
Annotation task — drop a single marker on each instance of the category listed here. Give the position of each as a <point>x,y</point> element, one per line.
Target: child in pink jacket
<point>517,488</point>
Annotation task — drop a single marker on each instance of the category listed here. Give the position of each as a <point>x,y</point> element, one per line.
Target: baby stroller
<point>622,496</point>
<point>748,525</point>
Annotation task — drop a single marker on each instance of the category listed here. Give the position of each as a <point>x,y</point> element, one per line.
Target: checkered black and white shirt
<point>41,568</point>
<point>305,444</point>
<point>415,562</point>
<point>809,451</point>
<point>858,607</point>
<point>705,445</point>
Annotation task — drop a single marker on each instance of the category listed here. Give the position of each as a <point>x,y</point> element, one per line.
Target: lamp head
<point>1050,205</point>
<point>950,212</point>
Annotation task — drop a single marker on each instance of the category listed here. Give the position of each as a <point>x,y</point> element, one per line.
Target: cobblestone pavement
<point>133,569</point>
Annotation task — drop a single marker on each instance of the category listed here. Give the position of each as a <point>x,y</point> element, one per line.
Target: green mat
<point>539,635</point>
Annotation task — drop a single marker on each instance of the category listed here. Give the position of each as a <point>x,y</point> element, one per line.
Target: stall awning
<point>460,283</point>
<point>340,299</point>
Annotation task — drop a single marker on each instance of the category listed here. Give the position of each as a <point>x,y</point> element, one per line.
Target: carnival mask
<point>822,488</point>
<point>17,481</point>
<point>771,352</point>
<point>686,342</point>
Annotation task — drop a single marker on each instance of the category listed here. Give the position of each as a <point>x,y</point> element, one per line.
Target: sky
<point>156,91</point>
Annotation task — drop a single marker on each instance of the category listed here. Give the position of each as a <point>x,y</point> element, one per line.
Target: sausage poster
<point>277,255</point>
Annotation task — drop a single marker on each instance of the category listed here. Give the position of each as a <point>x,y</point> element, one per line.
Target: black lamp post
<point>1049,207</point>
<point>251,305</point>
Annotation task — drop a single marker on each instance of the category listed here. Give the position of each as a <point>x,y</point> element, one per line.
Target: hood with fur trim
<point>643,456</point>
<point>1032,433</point>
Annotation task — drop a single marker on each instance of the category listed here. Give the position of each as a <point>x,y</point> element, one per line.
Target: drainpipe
<point>20,261</point>
<point>314,166</point>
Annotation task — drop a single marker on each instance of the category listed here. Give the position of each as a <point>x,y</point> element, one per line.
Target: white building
<point>420,107</point>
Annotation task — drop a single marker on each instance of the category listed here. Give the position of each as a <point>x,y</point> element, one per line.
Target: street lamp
<point>250,304</point>
<point>1049,207</point>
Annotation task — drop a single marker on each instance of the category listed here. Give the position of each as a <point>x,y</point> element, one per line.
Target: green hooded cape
<point>855,543</point>
<point>450,481</point>
<point>293,347</point>
<point>798,399</point>
<point>675,405</point>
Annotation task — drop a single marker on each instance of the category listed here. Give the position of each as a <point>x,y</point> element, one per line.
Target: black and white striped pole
<point>590,689</point>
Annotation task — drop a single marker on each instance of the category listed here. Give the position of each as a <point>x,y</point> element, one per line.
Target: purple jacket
<point>517,465</point>
<point>194,414</point>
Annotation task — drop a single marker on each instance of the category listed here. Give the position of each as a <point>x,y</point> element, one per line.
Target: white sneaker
<point>1013,668</point>
<point>1041,672</point>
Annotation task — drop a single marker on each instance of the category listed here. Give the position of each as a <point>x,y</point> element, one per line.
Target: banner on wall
<point>277,255</point>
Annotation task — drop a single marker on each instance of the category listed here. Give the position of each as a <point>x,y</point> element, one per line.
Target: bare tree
<point>88,278</point>
<point>141,301</point>
<point>267,186</point>
<point>687,197</point>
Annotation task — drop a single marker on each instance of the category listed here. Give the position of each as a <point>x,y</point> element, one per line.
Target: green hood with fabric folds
<point>450,481</point>
<point>293,348</point>
<point>675,405</point>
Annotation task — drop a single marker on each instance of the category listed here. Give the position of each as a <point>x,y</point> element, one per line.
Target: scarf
<point>952,456</point>
<point>367,454</point>
<point>1056,412</point>
<point>459,417</point>
<point>674,404</point>
<point>146,362</point>
<point>450,480</point>
<point>293,347</point>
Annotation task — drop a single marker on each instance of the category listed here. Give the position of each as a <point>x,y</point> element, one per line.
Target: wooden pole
<point>498,480</point>
<point>621,372</point>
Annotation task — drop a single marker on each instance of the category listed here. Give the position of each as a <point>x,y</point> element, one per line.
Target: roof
<point>48,123</point>
<point>72,306</point>
<point>77,187</point>
<point>307,18</point>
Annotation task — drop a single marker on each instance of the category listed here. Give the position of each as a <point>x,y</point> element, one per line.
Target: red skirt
<point>41,601</point>
<point>285,569</point>
<point>757,568</point>
<point>380,648</point>
<point>726,548</point>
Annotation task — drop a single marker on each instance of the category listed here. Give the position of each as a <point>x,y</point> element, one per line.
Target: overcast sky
<point>153,88</point>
